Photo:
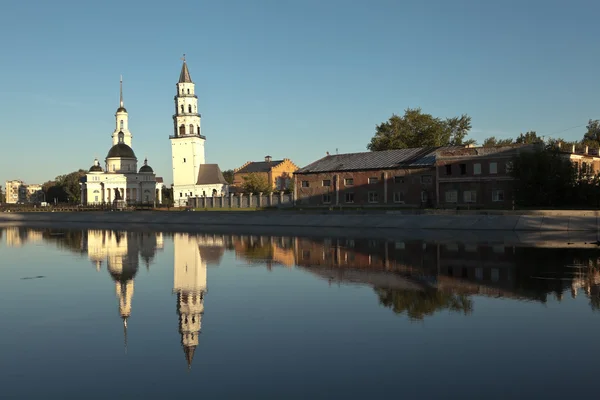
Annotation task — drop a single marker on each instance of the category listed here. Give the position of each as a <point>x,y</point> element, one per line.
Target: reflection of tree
<point>419,304</point>
<point>258,253</point>
<point>65,239</point>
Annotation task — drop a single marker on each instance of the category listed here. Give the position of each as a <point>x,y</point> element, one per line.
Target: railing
<point>187,135</point>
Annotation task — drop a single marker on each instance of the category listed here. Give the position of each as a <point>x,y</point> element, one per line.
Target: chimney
<point>268,158</point>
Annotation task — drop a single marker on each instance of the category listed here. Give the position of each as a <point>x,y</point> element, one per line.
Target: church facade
<point>120,182</point>
<point>192,177</point>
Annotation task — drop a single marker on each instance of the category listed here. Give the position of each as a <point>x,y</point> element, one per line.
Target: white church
<point>120,182</point>
<point>192,177</point>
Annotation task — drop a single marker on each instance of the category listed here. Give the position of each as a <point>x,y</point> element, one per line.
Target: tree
<point>167,195</point>
<point>64,188</point>
<point>592,137</point>
<point>256,183</point>
<point>419,304</point>
<point>493,142</point>
<point>528,138</point>
<point>228,175</point>
<point>416,129</point>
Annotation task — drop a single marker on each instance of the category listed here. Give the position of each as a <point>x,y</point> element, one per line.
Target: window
<point>326,182</point>
<point>398,179</point>
<point>448,169</point>
<point>495,274</point>
<point>304,184</point>
<point>498,195</point>
<point>477,169</point>
<point>188,91</point>
<point>96,198</point>
<point>305,254</point>
<point>121,125</point>
<point>493,168</point>
<point>373,197</point>
<point>426,179</point>
<point>463,169</point>
<point>180,194</point>
<point>349,182</point>
<point>398,197</point>
<point>470,196</point>
<point>326,198</point>
<point>182,108</point>
<point>424,196</point>
<point>479,274</point>
<point>349,197</point>
<point>184,159</point>
<point>191,129</point>
<point>182,130</point>
<point>113,167</point>
<point>189,108</point>
<point>451,196</point>
<point>373,180</point>
<point>509,167</point>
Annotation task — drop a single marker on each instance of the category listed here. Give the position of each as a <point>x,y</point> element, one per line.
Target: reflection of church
<point>192,255</point>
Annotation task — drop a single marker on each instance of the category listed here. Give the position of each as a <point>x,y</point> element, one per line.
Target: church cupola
<point>146,169</point>
<point>96,167</point>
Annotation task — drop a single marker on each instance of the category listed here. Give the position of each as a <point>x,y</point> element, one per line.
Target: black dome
<point>120,150</point>
<point>146,168</point>
<point>121,109</point>
<point>96,168</point>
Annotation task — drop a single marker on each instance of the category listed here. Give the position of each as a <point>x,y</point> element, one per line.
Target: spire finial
<point>183,58</point>
<point>121,91</point>
<point>146,161</point>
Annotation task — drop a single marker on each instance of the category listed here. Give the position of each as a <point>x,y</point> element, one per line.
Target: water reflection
<point>412,278</point>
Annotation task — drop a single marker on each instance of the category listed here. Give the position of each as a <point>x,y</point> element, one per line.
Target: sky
<point>290,79</point>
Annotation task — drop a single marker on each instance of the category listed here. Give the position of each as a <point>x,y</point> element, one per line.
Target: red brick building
<point>405,178</point>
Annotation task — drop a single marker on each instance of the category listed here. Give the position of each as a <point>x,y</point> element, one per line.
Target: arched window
<point>182,130</point>
<point>191,129</point>
<point>190,108</point>
<point>188,91</point>
<point>121,125</point>
<point>198,130</point>
<point>182,108</point>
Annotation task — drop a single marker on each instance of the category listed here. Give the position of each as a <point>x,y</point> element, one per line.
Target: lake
<point>117,314</point>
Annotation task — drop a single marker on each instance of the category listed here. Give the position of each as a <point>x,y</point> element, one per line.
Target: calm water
<point>100,314</point>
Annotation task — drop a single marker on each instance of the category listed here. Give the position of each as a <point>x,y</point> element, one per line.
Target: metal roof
<point>184,76</point>
<point>259,166</point>
<point>400,158</point>
<point>209,174</point>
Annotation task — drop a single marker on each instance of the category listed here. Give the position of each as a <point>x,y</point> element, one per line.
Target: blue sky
<point>286,78</point>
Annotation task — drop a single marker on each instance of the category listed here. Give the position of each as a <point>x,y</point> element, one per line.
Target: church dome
<point>96,168</point>
<point>146,168</point>
<point>120,150</point>
<point>121,109</point>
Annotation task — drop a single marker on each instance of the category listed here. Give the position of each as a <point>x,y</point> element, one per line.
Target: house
<point>278,172</point>
<point>403,177</point>
<point>477,177</point>
<point>584,159</point>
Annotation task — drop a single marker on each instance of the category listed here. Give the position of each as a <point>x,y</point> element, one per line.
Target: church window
<point>182,108</point>
<point>182,129</point>
<point>121,125</point>
<point>189,108</point>
<point>198,130</point>
<point>188,91</point>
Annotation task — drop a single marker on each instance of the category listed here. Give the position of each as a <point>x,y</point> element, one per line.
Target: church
<point>119,182</point>
<point>192,177</point>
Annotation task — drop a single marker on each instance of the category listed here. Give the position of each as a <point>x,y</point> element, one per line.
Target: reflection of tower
<point>190,286</point>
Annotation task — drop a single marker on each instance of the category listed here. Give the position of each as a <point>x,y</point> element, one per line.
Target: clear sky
<point>285,78</point>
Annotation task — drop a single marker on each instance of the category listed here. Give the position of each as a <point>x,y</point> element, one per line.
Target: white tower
<point>187,142</point>
<point>121,121</point>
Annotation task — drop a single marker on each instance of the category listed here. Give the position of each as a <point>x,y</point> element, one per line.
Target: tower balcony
<point>187,136</point>
<point>187,114</point>
<point>185,95</point>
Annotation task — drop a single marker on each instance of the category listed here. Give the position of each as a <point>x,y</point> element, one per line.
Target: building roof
<point>260,166</point>
<point>184,76</point>
<point>400,158</point>
<point>482,151</point>
<point>210,174</point>
<point>120,150</point>
<point>146,168</point>
<point>96,168</point>
<point>159,179</point>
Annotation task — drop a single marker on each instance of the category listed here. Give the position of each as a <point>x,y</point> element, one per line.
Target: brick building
<point>404,177</point>
<point>278,172</point>
<point>477,177</point>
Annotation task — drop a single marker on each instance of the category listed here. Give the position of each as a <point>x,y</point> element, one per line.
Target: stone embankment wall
<point>577,221</point>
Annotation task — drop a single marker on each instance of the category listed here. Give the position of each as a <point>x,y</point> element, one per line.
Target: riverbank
<point>564,221</point>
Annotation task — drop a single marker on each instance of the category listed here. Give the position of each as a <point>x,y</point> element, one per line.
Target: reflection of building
<point>192,255</point>
<point>17,236</point>
<point>268,250</point>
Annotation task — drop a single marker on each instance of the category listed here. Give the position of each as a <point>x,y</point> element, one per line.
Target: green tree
<point>493,142</point>
<point>167,196</point>
<point>256,183</point>
<point>228,175</point>
<point>592,137</point>
<point>417,129</point>
<point>64,188</point>
<point>528,138</point>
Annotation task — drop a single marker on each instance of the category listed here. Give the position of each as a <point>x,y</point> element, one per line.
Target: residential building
<point>477,177</point>
<point>120,182</point>
<point>18,192</point>
<point>404,178</point>
<point>192,177</point>
<point>279,173</point>
<point>584,159</point>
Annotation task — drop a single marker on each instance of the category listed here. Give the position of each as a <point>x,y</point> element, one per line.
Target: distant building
<point>18,192</point>
<point>584,159</point>
<point>279,173</point>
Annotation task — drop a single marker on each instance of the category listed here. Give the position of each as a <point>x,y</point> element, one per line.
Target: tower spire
<point>121,92</point>
<point>184,76</point>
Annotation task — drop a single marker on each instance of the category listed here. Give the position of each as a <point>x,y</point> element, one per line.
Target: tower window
<point>184,160</point>
<point>121,126</point>
<point>190,109</point>
<point>182,130</point>
<point>182,108</point>
<point>198,130</point>
<point>188,91</point>
<point>191,129</point>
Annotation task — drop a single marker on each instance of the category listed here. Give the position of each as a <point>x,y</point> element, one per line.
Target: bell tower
<point>187,142</point>
<point>121,121</point>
